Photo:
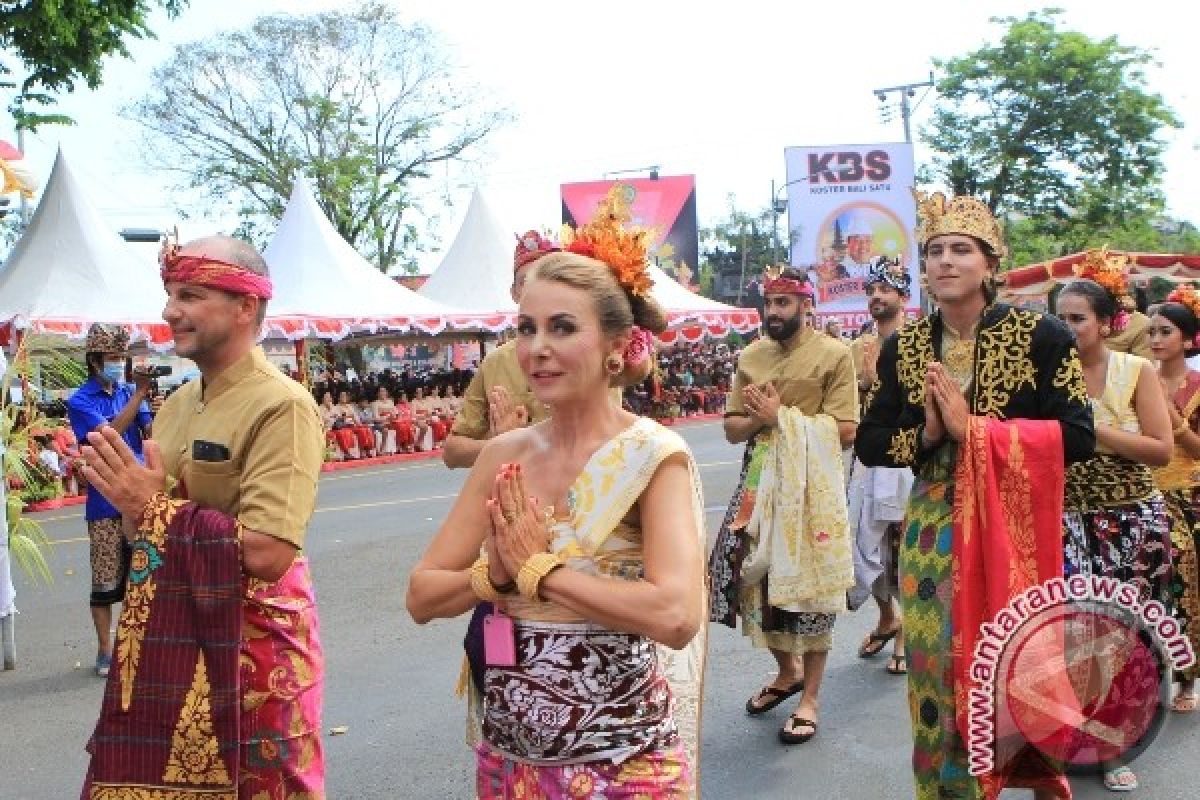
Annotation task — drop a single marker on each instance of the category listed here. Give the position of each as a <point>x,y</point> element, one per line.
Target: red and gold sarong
<point>1007,538</point>
<point>216,689</point>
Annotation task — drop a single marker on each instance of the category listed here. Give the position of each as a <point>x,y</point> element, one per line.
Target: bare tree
<point>358,101</point>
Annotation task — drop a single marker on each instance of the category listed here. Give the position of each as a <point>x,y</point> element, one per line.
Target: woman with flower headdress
<point>1115,522</point>
<point>985,402</point>
<point>1129,329</point>
<point>591,665</point>
<point>1175,335</point>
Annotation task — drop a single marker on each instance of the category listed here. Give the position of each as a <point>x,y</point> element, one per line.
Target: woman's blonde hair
<point>617,309</point>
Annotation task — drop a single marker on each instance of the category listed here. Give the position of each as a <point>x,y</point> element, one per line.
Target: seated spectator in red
<point>336,430</point>
<point>349,416</point>
<point>387,412</point>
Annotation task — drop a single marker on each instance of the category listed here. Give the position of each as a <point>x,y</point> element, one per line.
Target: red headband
<point>208,271</point>
<point>788,286</point>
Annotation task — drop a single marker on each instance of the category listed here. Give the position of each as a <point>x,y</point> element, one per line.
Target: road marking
<point>334,476</point>
<point>400,502</point>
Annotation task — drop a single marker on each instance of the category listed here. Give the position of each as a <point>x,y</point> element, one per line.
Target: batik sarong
<point>282,674</point>
<point>662,775</point>
<point>580,693</point>
<point>244,721</point>
<point>1183,512</point>
<point>169,721</point>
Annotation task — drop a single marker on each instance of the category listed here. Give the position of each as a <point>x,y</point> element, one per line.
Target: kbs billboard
<point>666,205</point>
<point>848,205</point>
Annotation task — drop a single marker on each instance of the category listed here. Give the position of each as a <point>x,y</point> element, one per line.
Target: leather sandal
<point>787,733</point>
<point>777,696</point>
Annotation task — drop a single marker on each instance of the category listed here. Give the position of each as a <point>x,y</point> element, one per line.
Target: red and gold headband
<point>775,283</point>
<point>206,270</point>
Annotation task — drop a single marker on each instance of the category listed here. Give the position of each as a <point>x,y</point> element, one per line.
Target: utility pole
<point>907,92</point>
<point>24,202</point>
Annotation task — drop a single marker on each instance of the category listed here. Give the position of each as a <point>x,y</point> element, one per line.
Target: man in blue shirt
<point>104,399</point>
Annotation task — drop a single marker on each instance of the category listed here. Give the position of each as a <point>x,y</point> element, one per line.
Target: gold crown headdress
<point>609,237</point>
<point>937,216</point>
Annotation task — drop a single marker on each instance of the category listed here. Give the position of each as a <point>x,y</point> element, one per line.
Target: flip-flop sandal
<point>875,643</point>
<point>897,665</point>
<point>1184,703</point>
<point>1121,779</point>
<point>777,696</point>
<point>787,734</point>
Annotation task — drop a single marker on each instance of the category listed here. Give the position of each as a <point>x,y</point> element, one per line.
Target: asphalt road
<point>390,682</point>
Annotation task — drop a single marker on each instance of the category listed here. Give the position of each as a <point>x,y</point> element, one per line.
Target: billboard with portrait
<point>847,206</point>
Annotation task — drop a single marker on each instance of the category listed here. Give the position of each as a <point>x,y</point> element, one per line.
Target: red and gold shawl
<point>169,720</point>
<point>1008,508</point>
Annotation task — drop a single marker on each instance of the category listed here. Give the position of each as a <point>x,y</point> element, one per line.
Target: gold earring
<point>614,365</point>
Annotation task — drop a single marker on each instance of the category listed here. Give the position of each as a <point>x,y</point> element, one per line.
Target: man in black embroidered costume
<point>972,359</point>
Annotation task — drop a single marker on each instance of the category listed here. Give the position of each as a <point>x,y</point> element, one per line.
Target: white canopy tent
<point>692,317</point>
<point>475,274</point>
<point>70,269</point>
<point>324,289</point>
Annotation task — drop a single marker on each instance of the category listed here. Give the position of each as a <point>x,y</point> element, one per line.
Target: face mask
<point>114,372</point>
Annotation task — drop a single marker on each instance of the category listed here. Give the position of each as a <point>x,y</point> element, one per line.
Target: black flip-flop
<point>876,642</point>
<point>897,665</point>
<point>777,696</point>
<point>787,737</point>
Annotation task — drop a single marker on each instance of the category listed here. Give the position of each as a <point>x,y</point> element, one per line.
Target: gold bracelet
<point>529,578</point>
<point>1182,429</point>
<point>481,584</point>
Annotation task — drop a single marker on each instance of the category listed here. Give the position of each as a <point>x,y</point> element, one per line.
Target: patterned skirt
<point>1129,542</point>
<point>662,775</point>
<point>792,632</point>
<point>1183,509</point>
<point>939,753</point>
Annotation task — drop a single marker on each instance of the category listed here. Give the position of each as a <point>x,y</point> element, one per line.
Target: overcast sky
<point>715,90</point>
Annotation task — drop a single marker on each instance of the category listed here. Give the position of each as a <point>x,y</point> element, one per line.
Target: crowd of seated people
<point>691,379</point>
<point>388,412</point>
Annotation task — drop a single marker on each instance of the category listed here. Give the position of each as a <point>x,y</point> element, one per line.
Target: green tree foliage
<point>736,248</point>
<point>358,101</point>
<point>54,44</point>
<point>1050,123</point>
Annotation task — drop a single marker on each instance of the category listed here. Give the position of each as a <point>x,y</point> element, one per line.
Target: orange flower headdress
<point>609,237</point>
<point>1109,270</point>
<point>1186,295</point>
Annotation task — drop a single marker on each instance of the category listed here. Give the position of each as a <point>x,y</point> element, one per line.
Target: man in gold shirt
<point>235,458</point>
<point>798,370</point>
<point>498,398</point>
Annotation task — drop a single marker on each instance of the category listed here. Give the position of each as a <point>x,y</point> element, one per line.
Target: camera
<point>153,372</point>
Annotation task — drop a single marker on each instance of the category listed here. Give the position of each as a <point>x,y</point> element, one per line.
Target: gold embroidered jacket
<point>1025,366</point>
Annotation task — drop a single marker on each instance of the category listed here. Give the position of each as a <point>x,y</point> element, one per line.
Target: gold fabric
<point>813,373</point>
<point>1134,339</point>
<point>1183,472</point>
<point>272,430</point>
<point>498,368</point>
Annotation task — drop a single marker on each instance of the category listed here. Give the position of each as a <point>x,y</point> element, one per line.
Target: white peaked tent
<point>692,317</point>
<point>476,272</point>
<point>70,269</point>
<point>324,289</point>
